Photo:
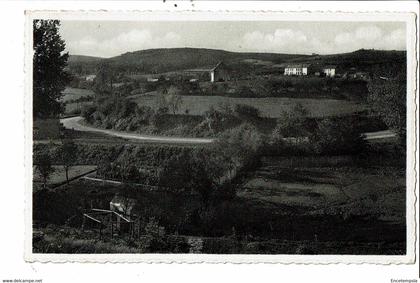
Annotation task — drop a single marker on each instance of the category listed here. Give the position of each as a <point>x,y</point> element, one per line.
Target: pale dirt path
<point>379,135</point>
<point>74,123</point>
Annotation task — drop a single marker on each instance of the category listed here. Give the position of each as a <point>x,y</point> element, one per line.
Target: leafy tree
<point>188,172</point>
<point>388,100</point>
<point>215,120</point>
<point>43,165</point>
<point>292,124</point>
<point>173,99</point>
<point>225,108</point>
<point>49,61</point>
<point>87,112</point>
<point>337,136</point>
<point>170,98</point>
<point>247,111</point>
<point>126,170</point>
<point>105,77</point>
<point>241,145</point>
<point>67,155</point>
<point>155,234</point>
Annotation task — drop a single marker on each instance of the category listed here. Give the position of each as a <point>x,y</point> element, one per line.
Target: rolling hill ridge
<point>173,59</point>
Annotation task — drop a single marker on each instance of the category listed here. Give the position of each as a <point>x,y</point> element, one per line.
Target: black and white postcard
<point>220,137</point>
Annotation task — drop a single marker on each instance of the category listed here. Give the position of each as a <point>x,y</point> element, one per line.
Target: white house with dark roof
<point>329,71</point>
<point>90,78</point>
<point>296,70</point>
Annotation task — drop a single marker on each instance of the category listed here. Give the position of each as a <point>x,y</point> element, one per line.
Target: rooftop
<point>204,69</point>
<point>303,65</point>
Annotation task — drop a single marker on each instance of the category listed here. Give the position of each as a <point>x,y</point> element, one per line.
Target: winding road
<point>73,123</point>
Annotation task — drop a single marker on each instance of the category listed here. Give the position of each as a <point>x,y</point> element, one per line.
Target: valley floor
<point>286,206</point>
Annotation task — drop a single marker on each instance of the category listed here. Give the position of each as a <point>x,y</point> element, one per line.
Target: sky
<point>112,38</point>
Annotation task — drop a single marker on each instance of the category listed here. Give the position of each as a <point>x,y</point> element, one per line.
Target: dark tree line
<point>388,99</point>
<point>49,61</point>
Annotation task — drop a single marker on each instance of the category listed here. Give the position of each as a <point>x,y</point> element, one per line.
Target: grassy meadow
<point>270,107</point>
<point>71,93</point>
<point>70,97</point>
<point>59,175</point>
<point>334,186</point>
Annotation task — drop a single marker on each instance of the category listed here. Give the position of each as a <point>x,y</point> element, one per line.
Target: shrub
<point>245,91</point>
<point>87,112</point>
<point>333,136</point>
<point>247,112</point>
<point>154,239</point>
<point>241,146</point>
<point>291,124</point>
<point>43,164</point>
<point>217,121</point>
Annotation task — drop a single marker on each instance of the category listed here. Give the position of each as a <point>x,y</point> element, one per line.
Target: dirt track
<point>74,123</point>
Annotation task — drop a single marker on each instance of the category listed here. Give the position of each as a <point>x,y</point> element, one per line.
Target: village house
<point>123,207</point>
<point>218,73</point>
<point>296,70</point>
<point>362,76</point>
<point>90,78</point>
<point>329,71</point>
<point>353,74</point>
<point>122,204</point>
<point>152,80</point>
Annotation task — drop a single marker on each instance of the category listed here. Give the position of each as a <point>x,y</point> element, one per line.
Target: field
<point>75,93</point>
<point>271,107</point>
<point>76,107</point>
<point>70,94</point>
<point>59,175</point>
<point>331,186</point>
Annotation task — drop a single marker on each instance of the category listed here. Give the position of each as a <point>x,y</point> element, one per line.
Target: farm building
<point>362,75</point>
<point>218,73</point>
<point>296,70</point>
<point>107,221</point>
<point>122,204</point>
<point>90,78</point>
<point>356,75</point>
<point>329,71</point>
<point>46,129</point>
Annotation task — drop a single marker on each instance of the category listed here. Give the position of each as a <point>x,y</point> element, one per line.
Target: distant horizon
<point>108,39</point>
<point>256,52</point>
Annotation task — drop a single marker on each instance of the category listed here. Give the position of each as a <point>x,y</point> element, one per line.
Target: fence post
<point>112,227</point>
<point>83,223</point>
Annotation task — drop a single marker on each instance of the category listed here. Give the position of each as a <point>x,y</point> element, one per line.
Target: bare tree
<point>67,155</point>
<point>171,99</point>
<point>43,166</point>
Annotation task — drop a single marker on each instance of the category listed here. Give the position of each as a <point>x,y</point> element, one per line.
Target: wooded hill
<point>387,63</point>
<point>173,59</point>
